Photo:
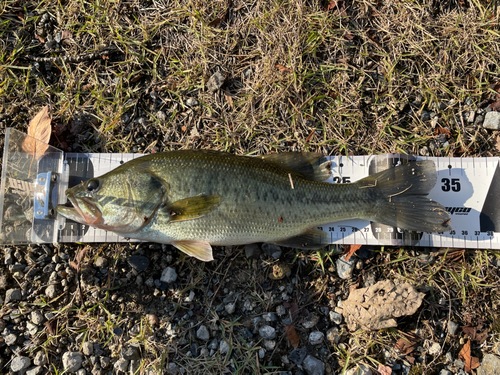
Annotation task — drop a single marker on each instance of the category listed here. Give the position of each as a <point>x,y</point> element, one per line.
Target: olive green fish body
<point>194,199</point>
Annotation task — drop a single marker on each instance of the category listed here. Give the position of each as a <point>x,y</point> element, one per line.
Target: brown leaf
<point>441,130</point>
<point>376,307</point>
<point>475,334</point>
<point>470,362</point>
<point>40,38</point>
<point>405,346</point>
<point>384,370</point>
<point>282,68</point>
<point>153,319</point>
<point>497,143</point>
<point>331,4</point>
<point>495,106</point>
<point>291,335</point>
<point>229,100</point>
<point>349,251</point>
<point>51,326</point>
<point>39,129</point>
<point>66,34</point>
<point>81,254</point>
<point>74,265</point>
<point>223,17</point>
<point>349,36</point>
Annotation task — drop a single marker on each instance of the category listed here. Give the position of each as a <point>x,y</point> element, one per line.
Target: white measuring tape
<point>469,188</point>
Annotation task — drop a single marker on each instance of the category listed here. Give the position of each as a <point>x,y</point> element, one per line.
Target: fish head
<point>122,201</point>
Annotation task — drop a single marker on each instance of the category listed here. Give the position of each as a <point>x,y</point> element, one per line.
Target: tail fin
<point>401,198</point>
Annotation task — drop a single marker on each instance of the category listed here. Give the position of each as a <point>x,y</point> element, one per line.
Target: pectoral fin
<point>311,239</point>
<point>192,208</point>
<point>199,250</point>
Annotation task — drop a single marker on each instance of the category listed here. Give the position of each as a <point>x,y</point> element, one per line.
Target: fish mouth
<point>81,210</point>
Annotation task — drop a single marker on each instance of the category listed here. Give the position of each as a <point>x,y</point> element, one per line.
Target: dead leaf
<point>66,34</point>
<point>497,143</point>
<point>476,333</point>
<point>39,129</point>
<point>282,68</point>
<point>441,130</point>
<point>495,106</point>
<point>291,335</point>
<point>153,319</point>
<point>331,4</point>
<point>310,136</point>
<point>349,251</point>
<point>229,100</point>
<point>384,370</point>
<point>470,362</point>
<point>51,326</point>
<point>376,307</point>
<point>40,38</point>
<point>223,17</point>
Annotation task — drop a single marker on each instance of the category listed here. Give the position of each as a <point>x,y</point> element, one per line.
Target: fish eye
<point>92,185</point>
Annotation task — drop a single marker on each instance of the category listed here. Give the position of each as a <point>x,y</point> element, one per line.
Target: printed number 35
<point>452,184</point>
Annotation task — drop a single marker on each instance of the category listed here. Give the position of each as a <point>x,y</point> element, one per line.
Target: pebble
<point>310,321</point>
<point>316,337</point>
<point>72,361</point>
<point>13,295</point>
<point>10,339</point>
<point>173,369</point>
<point>34,370</point>
<point>215,82</point>
<point>452,327</point>
<point>32,328</point>
<point>267,332</point>
<point>230,308</point>
<point>359,370</point>
<point>202,333</point>
<point>490,365</point>
<point>298,355</point>
<point>20,364</point>
<point>313,365</point>
<point>280,310</point>
<point>270,317</point>
<point>101,262</point>
<point>223,347</point>
<point>269,344</point>
<point>51,291</point>
<point>272,250</point>
<point>40,359</point>
<point>335,317</point>
<point>191,102</point>
<point>492,120</point>
<point>168,275</point>
<point>333,335</point>
<point>138,262</point>
<point>252,251</point>
<point>345,268</point>
<point>445,372</point>
<point>131,352</point>
<point>87,348</point>
<point>37,317</point>
<point>434,348</point>
<point>121,365</point>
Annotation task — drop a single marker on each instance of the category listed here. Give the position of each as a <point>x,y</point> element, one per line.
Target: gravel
<point>13,295</point>
<point>453,327</point>
<point>492,120</point>
<point>490,365</point>
<point>215,82</point>
<point>297,356</point>
<point>267,332</point>
<point>223,347</point>
<point>121,365</point>
<point>202,333</point>
<point>316,338</point>
<point>313,366</point>
<point>345,268</point>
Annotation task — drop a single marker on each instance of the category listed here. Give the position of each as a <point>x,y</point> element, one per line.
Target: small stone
<point>297,356</point>
<point>489,365</point>
<point>101,262</point>
<point>316,338</point>
<point>335,317</point>
<point>313,365</point>
<point>138,262</point>
<point>270,317</point>
<point>267,332</point>
<point>72,361</point>
<point>121,365</point>
<point>252,250</point>
<point>87,348</point>
<point>359,370</point>
<point>34,370</point>
<point>51,291</point>
<point>333,335</point>
<point>191,102</point>
<point>40,359</point>
<point>452,327</point>
<point>202,333</point>
<point>168,275</point>
<point>131,352</point>
<point>445,372</point>
<point>215,82</point>
<point>345,268</point>
<point>280,310</point>
<point>223,347</point>
<point>269,344</point>
<point>10,339</point>
<point>434,348</point>
<point>32,328</point>
<point>272,250</point>
<point>310,321</point>
<point>247,72</point>
<point>492,120</point>
<point>13,295</point>
<point>230,308</point>
<point>105,361</point>
<point>191,296</point>
<point>160,115</point>
<point>37,317</point>
<point>20,364</point>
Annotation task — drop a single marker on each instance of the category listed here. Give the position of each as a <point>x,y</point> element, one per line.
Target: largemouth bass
<point>195,199</point>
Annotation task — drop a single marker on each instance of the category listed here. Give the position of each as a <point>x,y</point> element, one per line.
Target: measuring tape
<point>469,189</point>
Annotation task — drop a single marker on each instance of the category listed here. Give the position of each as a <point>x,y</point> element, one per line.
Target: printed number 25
<point>451,184</point>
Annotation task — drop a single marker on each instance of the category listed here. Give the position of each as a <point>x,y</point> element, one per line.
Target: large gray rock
<point>13,295</point>
<point>313,365</point>
<point>492,120</point>
<point>72,361</point>
<point>490,364</point>
<point>267,332</point>
<point>20,364</point>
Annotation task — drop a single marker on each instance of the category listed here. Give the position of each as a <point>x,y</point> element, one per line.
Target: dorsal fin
<point>311,165</point>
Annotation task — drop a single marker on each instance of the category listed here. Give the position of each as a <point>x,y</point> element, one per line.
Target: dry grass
<point>357,78</point>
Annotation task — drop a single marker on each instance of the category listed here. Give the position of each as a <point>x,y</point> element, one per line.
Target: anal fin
<point>311,239</point>
<point>198,249</point>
